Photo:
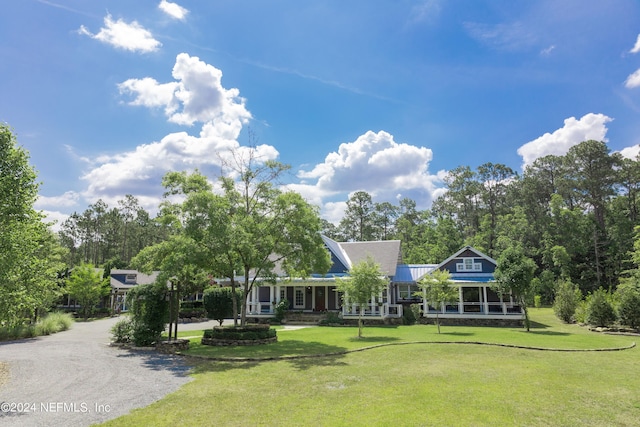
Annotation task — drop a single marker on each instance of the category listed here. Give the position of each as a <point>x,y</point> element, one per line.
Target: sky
<point>383,96</point>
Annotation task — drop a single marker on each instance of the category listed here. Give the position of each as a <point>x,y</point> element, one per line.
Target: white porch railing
<point>373,310</point>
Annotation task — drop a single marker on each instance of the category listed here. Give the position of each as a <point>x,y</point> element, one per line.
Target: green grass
<point>52,323</point>
<point>425,383</point>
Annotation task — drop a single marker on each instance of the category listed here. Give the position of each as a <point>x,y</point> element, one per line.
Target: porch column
<point>485,303</point>
<point>277,294</point>
<point>460,301</point>
<point>272,298</point>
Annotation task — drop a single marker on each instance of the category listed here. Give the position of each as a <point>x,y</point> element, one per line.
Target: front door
<point>320,298</point>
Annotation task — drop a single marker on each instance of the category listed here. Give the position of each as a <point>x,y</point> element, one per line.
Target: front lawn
<point>424,383</point>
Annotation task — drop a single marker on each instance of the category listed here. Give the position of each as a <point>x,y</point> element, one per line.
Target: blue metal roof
<point>411,273</point>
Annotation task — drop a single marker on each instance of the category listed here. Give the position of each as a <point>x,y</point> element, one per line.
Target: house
<point>122,281</point>
<point>471,271</point>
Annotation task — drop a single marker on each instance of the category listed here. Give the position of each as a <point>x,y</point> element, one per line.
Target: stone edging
<point>341,353</point>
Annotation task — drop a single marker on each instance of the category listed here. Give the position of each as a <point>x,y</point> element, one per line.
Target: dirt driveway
<point>74,378</point>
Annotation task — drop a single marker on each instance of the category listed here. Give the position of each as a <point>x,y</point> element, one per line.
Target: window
<point>282,294</point>
<point>468,264</point>
<point>131,278</point>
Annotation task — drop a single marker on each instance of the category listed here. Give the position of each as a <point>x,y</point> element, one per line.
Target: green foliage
<point>331,318</point>
<point>629,306</point>
<point>514,275</point>
<point>247,332</point>
<point>280,310</point>
<point>218,302</point>
<point>122,331</point>
<point>87,287</point>
<point>52,323</point>
<point>149,312</point>
<point>568,296</point>
<point>408,317</point>
<point>437,289</point>
<point>365,281</point>
<point>30,256</point>
<point>600,311</point>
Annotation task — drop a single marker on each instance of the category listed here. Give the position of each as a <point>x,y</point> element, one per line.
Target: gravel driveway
<point>74,378</point>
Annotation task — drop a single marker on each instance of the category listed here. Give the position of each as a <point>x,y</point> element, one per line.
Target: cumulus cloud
<point>197,95</point>
<point>633,80</point>
<point>68,199</point>
<point>174,10</point>
<point>123,35</point>
<point>631,152</point>
<point>375,163</point>
<point>590,126</point>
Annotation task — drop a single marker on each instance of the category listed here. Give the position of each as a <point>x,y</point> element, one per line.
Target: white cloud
<point>631,152</point>
<point>198,95</point>
<point>68,199</point>
<point>377,164</point>
<point>174,10</point>
<point>590,126</point>
<point>636,47</point>
<point>54,218</point>
<point>128,36</point>
<point>633,80</point>
<point>198,91</point>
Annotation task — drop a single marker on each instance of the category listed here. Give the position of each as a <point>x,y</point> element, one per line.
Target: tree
<point>437,289</point>
<point>358,221</point>
<point>568,296</point>
<point>364,282</point>
<point>179,261</point>
<point>30,256</point>
<point>219,303</point>
<point>253,228</point>
<point>600,310</point>
<point>87,287</point>
<point>514,275</point>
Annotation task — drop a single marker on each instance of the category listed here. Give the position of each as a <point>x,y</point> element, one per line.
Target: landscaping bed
<point>241,335</point>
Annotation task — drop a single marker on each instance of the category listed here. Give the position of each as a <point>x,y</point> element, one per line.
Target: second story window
<point>468,264</point>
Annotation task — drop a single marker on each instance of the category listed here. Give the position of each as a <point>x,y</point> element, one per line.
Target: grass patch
<point>52,323</point>
<point>417,384</point>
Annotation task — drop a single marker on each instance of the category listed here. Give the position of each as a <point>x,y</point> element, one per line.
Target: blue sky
<point>384,96</point>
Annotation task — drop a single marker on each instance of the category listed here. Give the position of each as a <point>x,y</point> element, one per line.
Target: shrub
<point>52,323</point>
<point>537,301</point>
<point>580,314</point>
<point>331,318</point>
<point>568,296</point>
<point>218,302</point>
<point>629,308</point>
<point>241,333</point>
<point>408,316</point>
<point>280,310</point>
<point>192,312</point>
<point>600,310</point>
<point>122,331</point>
<point>149,311</point>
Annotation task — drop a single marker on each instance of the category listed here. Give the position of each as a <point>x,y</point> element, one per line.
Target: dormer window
<point>468,264</point>
<point>131,278</point>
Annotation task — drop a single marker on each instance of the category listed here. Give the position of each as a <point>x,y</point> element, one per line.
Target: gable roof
<point>467,248</point>
<point>386,253</point>
<point>118,278</point>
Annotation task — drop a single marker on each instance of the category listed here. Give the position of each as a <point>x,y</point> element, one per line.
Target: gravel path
<point>74,378</point>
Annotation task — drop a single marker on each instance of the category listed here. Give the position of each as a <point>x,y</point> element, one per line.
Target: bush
<point>149,312</point>
<point>600,310</point>
<point>192,312</point>
<point>629,308</point>
<point>408,316</point>
<point>218,302</point>
<point>52,323</point>
<point>123,331</point>
<point>280,310</point>
<point>568,296</point>
<point>332,318</point>
<point>241,333</point>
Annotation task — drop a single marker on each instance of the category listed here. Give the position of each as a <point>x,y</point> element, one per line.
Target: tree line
<point>574,215</point>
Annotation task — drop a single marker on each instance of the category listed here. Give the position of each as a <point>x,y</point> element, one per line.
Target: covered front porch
<point>475,300</point>
<point>315,296</point>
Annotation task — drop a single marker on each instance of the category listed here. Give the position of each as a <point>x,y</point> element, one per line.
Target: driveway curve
<point>74,378</point>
